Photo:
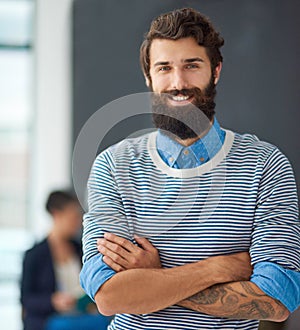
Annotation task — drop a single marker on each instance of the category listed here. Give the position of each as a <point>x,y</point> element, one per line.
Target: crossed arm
<point>216,286</point>
<point>238,300</point>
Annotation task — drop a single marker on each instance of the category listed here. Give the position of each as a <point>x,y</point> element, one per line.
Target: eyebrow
<point>194,59</point>
<point>188,60</point>
<point>161,63</point>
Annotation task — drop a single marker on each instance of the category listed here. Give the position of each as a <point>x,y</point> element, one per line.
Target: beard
<point>186,121</point>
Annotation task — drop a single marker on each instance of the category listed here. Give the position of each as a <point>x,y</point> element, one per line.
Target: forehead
<point>72,207</point>
<point>166,50</point>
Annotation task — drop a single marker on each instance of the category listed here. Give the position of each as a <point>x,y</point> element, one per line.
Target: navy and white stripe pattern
<point>243,199</point>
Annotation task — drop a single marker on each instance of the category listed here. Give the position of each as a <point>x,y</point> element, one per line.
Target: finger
<point>116,267</point>
<point>121,241</point>
<point>118,249</point>
<point>113,256</point>
<point>146,245</point>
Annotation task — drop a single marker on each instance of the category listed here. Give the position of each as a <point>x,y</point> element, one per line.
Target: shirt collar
<point>204,148</point>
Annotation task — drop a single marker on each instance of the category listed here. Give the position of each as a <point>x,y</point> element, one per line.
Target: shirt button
<point>171,159</point>
<point>202,159</point>
<point>186,152</point>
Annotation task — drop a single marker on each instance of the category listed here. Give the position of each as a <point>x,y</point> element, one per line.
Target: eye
<point>164,68</point>
<point>192,66</point>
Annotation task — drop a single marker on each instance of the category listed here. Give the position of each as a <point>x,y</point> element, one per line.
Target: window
<point>16,91</point>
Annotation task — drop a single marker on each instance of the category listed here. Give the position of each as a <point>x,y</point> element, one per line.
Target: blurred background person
<point>51,295</point>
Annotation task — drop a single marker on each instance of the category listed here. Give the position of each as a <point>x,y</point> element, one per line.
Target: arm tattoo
<point>239,300</point>
<point>226,295</point>
<point>216,293</point>
<point>249,289</point>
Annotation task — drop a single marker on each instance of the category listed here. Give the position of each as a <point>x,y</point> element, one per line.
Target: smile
<point>180,98</point>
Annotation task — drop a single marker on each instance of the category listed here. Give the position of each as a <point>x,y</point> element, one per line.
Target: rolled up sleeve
<point>94,274</point>
<point>279,283</point>
<point>275,247</point>
<point>105,214</point>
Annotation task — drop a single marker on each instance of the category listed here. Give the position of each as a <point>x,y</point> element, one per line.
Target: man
<point>201,195</point>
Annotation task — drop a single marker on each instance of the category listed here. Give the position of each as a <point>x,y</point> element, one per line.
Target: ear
<point>147,81</point>
<point>217,72</point>
<point>55,215</point>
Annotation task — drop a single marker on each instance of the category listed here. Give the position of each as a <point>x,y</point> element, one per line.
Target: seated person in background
<point>51,296</point>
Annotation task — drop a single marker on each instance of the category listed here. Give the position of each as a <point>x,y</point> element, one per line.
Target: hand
<point>120,254</point>
<point>62,302</point>
<point>232,268</point>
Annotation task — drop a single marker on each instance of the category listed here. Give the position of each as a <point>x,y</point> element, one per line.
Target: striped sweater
<point>243,199</point>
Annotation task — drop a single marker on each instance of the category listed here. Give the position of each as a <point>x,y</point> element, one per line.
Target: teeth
<point>180,98</point>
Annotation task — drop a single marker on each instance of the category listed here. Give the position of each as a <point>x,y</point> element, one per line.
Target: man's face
<point>178,64</point>
<point>181,71</point>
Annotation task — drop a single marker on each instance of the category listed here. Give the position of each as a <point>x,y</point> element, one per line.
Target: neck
<point>56,236</point>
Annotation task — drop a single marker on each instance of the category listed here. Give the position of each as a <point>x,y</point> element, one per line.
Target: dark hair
<point>59,199</point>
<point>182,23</point>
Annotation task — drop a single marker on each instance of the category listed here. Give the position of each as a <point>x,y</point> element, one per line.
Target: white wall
<point>50,165</point>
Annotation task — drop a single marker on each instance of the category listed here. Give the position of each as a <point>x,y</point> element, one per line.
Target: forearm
<point>138,291</point>
<point>238,300</point>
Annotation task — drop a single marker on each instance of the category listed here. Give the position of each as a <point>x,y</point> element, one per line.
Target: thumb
<point>145,244</point>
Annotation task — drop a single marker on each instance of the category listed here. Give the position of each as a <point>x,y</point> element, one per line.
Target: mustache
<point>184,92</point>
<point>203,97</point>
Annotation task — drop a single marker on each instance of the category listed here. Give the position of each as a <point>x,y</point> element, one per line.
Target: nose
<point>178,80</point>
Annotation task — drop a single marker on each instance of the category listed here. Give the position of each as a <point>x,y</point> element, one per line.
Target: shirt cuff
<point>279,283</point>
<point>94,273</point>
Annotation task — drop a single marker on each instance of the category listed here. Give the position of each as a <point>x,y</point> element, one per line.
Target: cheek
<point>206,76</point>
<point>71,227</point>
<point>67,224</point>
<point>160,83</point>
<point>201,79</point>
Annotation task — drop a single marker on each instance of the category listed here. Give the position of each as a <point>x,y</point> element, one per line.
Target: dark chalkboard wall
<point>259,87</point>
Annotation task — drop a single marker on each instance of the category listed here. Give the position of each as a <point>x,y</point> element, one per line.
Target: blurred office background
<point>35,131</point>
<point>62,60</point>
<point>16,137</point>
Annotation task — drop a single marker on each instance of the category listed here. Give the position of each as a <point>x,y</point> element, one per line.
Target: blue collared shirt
<point>178,156</point>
